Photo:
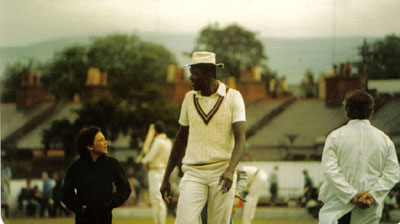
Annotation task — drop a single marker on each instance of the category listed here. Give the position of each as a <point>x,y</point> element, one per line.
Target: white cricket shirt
<point>210,124</point>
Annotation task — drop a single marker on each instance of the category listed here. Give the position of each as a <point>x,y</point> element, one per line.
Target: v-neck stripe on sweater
<point>207,117</point>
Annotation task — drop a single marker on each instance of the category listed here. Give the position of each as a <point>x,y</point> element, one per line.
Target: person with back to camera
<point>360,166</point>
<point>89,183</point>
<point>210,140</point>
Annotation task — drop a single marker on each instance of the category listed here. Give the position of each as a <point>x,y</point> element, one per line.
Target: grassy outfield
<point>150,221</point>
<point>141,221</point>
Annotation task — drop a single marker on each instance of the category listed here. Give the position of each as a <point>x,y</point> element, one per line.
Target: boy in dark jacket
<point>94,183</point>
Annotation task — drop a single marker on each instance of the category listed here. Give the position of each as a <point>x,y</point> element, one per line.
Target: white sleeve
<point>389,177</point>
<point>155,148</point>
<point>238,108</point>
<point>183,117</point>
<point>333,173</point>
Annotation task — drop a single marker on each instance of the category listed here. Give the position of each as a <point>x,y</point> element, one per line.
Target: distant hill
<point>289,57</point>
<point>42,51</point>
<point>293,57</point>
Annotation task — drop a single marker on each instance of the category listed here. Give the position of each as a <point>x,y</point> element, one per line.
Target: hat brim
<point>218,65</point>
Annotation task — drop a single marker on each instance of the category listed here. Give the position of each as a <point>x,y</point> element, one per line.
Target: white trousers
<point>157,203</point>
<point>249,207</point>
<point>199,185</point>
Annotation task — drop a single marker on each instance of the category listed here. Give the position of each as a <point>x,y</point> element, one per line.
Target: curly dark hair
<point>84,139</point>
<point>159,126</point>
<point>359,104</point>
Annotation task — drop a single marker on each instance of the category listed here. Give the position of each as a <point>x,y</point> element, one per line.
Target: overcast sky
<point>28,21</point>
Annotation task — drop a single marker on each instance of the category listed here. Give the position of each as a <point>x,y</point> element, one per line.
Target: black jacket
<point>101,186</point>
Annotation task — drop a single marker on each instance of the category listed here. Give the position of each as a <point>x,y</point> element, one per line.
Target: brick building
<point>32,92</point>
<point>96,85</point>
<point>341,82</point>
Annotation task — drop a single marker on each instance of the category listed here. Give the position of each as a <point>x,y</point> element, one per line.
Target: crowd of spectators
<point>32,200</point>
<point>45,201</point>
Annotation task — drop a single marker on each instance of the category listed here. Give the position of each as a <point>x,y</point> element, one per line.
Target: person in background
<point>29,199</point>
<point>95,183</point>
<point>360,167</point>
<point>58,207</point>
<point>47,196</point>
<point>308,185</point>
<point>6,176</point>
<point>6,172</point>
<point>273,185</point>
<point>5,192</point>
<point>256,182</point>
<point>156,160</point>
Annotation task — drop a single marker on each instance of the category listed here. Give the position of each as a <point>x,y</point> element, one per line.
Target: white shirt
<point>356,157</point>
<point>251,172</point>
<point>159,152</point>
<point>273,177</point>
<point>210,124</point>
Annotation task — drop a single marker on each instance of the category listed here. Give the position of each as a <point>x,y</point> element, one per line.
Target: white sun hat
<point>204,57</point>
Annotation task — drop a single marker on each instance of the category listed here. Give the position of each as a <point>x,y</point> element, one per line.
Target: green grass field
<point>140,221</point>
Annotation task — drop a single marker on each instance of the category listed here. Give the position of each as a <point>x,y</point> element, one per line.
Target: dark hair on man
<point>359,104</point>
<point>207,67</point>
<point>160,126</point>
<point>84,139</point>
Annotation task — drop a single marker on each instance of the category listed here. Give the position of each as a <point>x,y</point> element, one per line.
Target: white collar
<point>359,121</point>
<point>161,135</point>
<point>220,91</point>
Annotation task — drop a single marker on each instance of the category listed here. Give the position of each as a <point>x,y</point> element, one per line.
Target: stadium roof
<point>12,119</point>
<point>302,124</point>
<point>388,120</point>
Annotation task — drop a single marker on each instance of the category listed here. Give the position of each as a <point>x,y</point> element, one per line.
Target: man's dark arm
<point>239,132</point>
<point>68,196</point>
<point>176,156</point>
<point>123,188</point>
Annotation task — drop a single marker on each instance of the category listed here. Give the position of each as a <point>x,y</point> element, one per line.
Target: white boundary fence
<point>290,178</point>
